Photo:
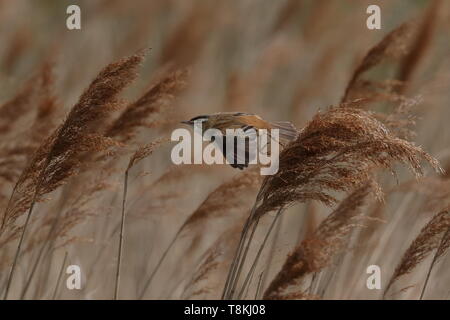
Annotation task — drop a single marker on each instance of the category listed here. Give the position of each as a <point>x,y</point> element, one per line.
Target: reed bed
<point>86,177</point>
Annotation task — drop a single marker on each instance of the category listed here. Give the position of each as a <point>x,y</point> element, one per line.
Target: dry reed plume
<point>58,157</point>
<point>158,97</point>
<point>38,91</point>
<point>337,151</point>
<point>74,188</point>
<point>317,251</point>
<point>433,236</point>
<point>212,207</point>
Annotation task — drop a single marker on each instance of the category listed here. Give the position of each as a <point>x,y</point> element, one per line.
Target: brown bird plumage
<point>245,121</point>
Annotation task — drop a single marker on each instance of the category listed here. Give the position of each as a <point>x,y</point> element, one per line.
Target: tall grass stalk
<point>433,262</point>
<point>141,153</point>
<point>122,230</point>
<point>256,259</point>
<point>24,229</point>
<point>61,271</point>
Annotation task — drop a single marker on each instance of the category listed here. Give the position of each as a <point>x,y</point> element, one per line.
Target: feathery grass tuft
<point>316,251</point>
<point>337,151</point>
<point>60,155</point>
<point>432,236</point>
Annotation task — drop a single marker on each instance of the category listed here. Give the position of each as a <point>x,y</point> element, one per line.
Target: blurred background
<point>283,60</point>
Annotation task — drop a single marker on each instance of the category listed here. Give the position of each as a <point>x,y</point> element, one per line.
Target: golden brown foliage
<point>336,151</point>
<point>280,60</point>
<point>316,251</point>
<point>428,240</point>
<point>14,153</point>
<point>158,97</point>
<point>17,106</point>
<point>144,151</point>
<point>60,155</point>
<point>225,197</point>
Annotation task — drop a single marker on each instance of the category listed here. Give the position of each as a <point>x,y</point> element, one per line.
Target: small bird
<point>244,121</point>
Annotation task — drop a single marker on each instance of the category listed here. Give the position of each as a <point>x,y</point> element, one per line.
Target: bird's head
<point>198,118</point>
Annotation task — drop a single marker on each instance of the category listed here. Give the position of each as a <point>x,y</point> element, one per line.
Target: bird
<point>245,121</point>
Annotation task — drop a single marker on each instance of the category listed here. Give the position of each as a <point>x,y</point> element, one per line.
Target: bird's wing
<point>244,147</point>
<point>288,132</point>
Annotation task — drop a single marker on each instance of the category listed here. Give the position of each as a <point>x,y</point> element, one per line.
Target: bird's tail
<point>287,130</point>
